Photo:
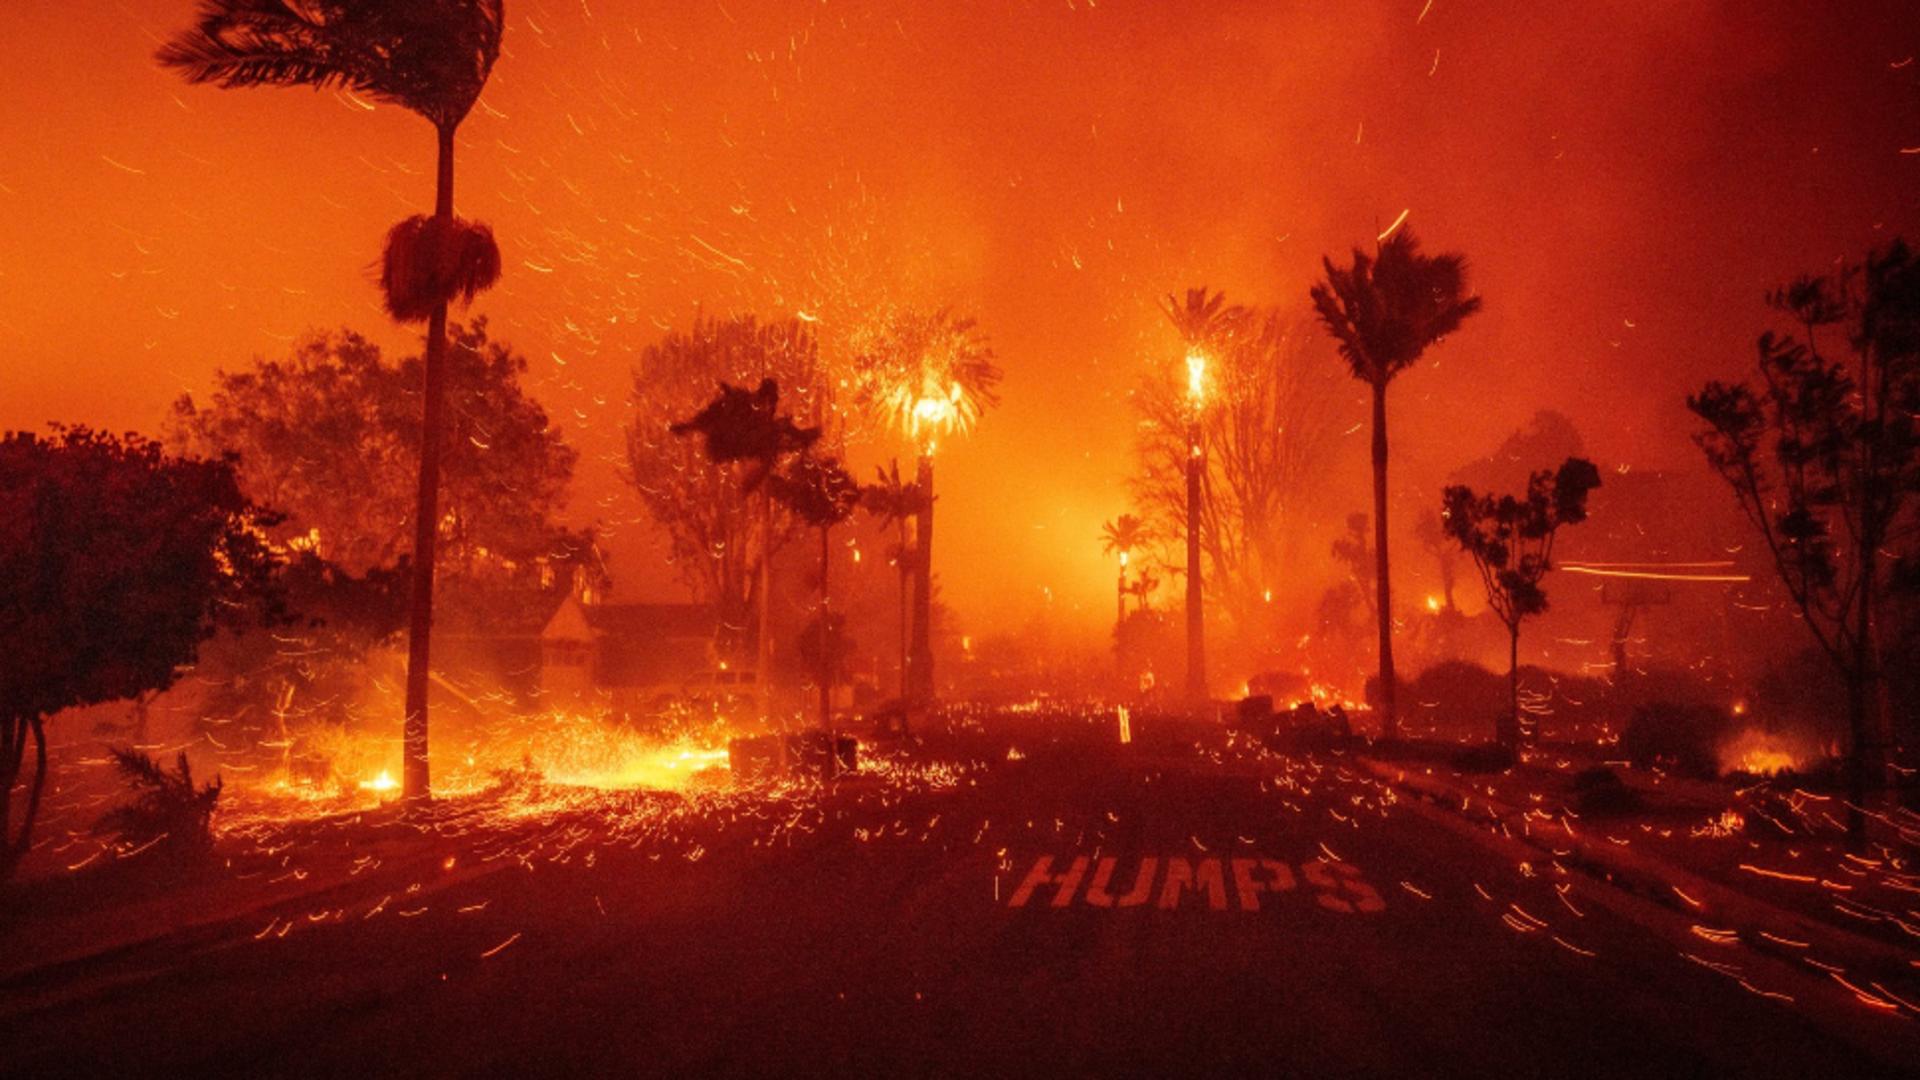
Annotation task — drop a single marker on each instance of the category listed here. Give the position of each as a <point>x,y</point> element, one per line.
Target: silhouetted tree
<point>1351,550</point>
<point>1144,585</point>
<point>895,500</point>
<point>926,376</point>
<point>336,417</point>
<point>1825,462</point>
<point>431,57</point>
<point>822,494</point>
<point>746,428</point>
<point>116,562</point>
<point>1265,434</point>
<point>721,527</point>
<point>1385,309</point>
<point>1511,541</point>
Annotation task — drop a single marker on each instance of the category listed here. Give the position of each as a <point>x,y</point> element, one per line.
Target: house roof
<point>575,621</point>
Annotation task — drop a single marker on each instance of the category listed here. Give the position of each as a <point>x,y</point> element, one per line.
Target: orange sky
<point>1626,177</point>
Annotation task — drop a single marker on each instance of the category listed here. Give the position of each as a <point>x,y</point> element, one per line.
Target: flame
<point>1196,375</point>
<point>1761,753</point>
<point>382,782</point>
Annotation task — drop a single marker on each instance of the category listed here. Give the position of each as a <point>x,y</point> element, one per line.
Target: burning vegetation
<point>530,573</point>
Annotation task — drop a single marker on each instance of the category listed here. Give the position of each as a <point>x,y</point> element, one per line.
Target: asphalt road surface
<point>1060,905</point>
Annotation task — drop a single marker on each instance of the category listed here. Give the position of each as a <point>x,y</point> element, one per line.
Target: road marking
<point>1336,886</point>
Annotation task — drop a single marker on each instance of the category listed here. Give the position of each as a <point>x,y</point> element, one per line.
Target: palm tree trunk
<point>1120,603</point>
<point>906,570</point>
<point>763,638</point>
<point>826,652</point>
<point>1196,614</point>
<point>13,849</point>
<point>416,780</point>
<point>920,656</point>
<point>1383,609</point>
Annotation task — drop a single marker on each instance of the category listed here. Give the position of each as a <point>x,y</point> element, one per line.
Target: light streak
<point>1651,575</point>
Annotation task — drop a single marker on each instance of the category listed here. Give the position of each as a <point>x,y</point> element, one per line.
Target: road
<point>1234,912</point>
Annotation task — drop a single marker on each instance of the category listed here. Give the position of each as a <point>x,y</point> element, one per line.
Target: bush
<point>1600,791</point>
<point>1457,696</point>
<point>1484,758</point>
<point>1679,737</point>
<point>168,808</point>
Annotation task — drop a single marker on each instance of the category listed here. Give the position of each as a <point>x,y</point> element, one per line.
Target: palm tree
<point>431,57</point>
<point>1385,310</point>
<point>822,494</point>
<point>928,375</point>
<point>893,499</point>
<point>1203,321</point>
<point>1123,536</point>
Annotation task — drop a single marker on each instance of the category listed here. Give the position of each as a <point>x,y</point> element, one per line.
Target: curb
<point>1672,886</point>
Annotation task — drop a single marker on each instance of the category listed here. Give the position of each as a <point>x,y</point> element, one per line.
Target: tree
<point>1385,310</point>
<point>746,429</point>
<point>1511,542</point>
<point>430,57</point>
<point>1204,324</point>
<point>1825,462</point>
<point>1265,434</point>
<point>116,562</point>
<point>821,494</point>
<point>721,535</point>
<point>336,416</point>
<point>1351,550</point>
<point>1123,536</point>
<point>894,500</point>
<point>926,376</point>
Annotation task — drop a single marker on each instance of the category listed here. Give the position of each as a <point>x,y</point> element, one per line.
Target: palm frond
<point>1201,317</point>
<point>429,56</point>
<point>429,261</point>
<point>930,373</point>
<point>1387,307</point>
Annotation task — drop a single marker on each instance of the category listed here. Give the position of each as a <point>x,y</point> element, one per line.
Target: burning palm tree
<point>1204,322</point>
<point>1385,310</point>
<point>431,57</point>
<point>1123,536</point>
<point>928,376</point>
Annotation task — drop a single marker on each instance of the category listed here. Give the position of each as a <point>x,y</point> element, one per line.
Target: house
<point>629,655</point>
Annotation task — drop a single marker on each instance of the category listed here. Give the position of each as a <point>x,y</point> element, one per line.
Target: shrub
<point>1457,695</point>
<point>1484,758</point>
<point>1683,738</point>
<point>168,807</point>
<point>1600,791</point>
